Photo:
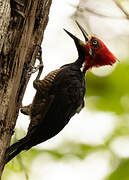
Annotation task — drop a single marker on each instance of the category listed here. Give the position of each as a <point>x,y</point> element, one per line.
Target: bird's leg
<point>26,110</point>
<point>40,66</point>
<point>39,84</point>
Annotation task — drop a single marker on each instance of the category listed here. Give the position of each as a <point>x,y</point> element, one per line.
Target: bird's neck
<point>79,62</point>
<point>76,65</point>
<point>85,70</point>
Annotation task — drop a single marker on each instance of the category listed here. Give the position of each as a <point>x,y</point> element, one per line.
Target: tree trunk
<point>20,37</point>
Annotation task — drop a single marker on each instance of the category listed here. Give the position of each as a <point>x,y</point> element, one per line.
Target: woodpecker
<point>60,95</point>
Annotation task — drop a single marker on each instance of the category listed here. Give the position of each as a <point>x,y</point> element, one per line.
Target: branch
<point>121,8</point>
<point>82,9</point>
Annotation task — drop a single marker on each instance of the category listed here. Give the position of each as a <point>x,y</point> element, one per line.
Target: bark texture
<point>4,20</point>
<point>22,35</point>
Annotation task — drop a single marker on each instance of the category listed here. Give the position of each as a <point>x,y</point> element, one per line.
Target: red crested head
<point>98,54</point>
<point>93,52</point>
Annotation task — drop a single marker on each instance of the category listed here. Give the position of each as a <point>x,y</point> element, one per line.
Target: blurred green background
<point>106,94</point>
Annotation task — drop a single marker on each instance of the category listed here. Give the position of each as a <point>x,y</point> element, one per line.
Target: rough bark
<point>24,33</point>
<point>4,20</point>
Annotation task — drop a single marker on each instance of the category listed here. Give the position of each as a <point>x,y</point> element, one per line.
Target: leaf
<point>121,173</point>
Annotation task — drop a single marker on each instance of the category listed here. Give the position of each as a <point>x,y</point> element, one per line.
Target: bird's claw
<point>40,66</point>
<point>35,69</point>
<point>39,54</point>
<point>25,109</point>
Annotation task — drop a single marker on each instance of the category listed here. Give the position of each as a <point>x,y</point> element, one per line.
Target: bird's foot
<point>40,66</point>
<point>25,109</point>
<point>35,69</point>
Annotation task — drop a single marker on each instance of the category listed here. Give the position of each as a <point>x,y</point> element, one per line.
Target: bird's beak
<point>80,45</point>
<point>85,34</point>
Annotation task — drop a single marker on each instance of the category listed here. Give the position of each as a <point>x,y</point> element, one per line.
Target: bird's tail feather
<point>16,148</point>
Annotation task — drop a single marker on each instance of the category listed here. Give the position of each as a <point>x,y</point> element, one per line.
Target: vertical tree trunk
<point>22,33</point>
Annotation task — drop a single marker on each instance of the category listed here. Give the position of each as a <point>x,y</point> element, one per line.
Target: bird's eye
<point>95,43</point>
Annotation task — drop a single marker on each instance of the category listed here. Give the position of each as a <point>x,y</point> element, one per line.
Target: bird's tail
<point>16,148</point>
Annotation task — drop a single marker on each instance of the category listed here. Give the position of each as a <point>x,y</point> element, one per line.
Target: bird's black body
<point>55,102</point>
<point>66,95</point>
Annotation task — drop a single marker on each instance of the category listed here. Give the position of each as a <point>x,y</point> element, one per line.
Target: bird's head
<point>93,51</point>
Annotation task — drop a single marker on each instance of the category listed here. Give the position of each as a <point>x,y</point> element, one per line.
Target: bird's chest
<point>75,92</point>
<point>71,91</point>
<point>74,96</point>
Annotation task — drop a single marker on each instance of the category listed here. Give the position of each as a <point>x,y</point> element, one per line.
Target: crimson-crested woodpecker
<point>60,94</point>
